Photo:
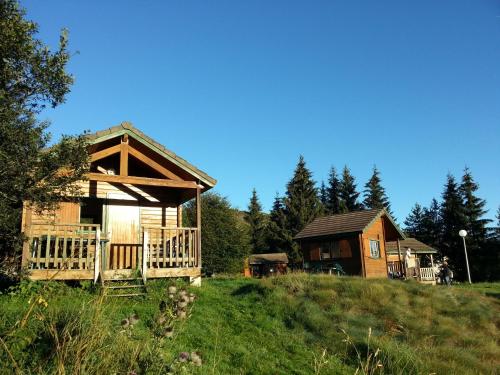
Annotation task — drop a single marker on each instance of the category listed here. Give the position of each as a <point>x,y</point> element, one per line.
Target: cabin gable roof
<point>351,222</point>
<point>126,128</point>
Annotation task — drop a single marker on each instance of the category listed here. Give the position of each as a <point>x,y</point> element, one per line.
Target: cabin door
<point>123,223</point>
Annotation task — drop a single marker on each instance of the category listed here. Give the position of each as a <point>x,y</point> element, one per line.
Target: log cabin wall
<point>374,266</point>
<point>346,253</point>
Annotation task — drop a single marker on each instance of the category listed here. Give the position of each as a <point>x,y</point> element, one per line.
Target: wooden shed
<point>129,220</point>
<point>268,264</point>
<point>353,243</point>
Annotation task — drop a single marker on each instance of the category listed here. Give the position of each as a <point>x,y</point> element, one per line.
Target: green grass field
<point>294,324</point>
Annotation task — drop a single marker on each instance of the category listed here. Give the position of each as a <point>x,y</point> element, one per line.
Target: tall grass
<point>74,331</point>
<point>292,324</point>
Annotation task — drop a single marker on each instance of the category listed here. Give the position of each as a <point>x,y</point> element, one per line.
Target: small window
<point>325,250</point>
<point>374,249</point>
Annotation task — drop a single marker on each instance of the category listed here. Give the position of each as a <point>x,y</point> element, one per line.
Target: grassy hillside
<point>295,324</point>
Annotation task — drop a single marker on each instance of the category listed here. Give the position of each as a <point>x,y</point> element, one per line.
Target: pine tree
<point>431,225</point>
<point>301,204</point>
<point>414,221</point>
<point>256,220</point>
<point>453,220</point>
<point>277,229</point>
<point>374,193</point>
<point>333,191</point>
<point>473,211</point>
<point>323,197</point>
<point>347,192</point>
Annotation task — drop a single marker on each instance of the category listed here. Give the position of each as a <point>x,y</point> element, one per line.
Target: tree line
<point>460,208</point>
<point>437,225</point>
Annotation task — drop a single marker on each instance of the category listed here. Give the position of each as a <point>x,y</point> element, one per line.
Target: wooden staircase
<point>126,287</point>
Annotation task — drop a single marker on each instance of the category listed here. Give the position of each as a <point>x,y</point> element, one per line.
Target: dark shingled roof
<point>127,127</point>
<point>268,258</point>
<point>415,245</point>
<point>351,222</point>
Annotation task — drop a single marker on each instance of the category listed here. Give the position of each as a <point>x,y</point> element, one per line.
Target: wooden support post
<point>124,156</point>
<point>362,252</point>
<point>27,244</point>
<point>198,225</point>
<point>97,254</point>
<point>179,216</point>
<point>432,266</point>
<point>403,271</point>
<point>145,256</point>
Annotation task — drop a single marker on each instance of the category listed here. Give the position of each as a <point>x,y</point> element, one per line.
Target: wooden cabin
<point>411,258</point>
<point>353,243</point>
<point>267,264</point>
<point>129,221</point>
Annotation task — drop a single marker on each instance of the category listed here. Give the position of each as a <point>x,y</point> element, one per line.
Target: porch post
<point>97,253</point>
<point>432,265</point>
<point>145,256</point>
<point>198,223</point>
<point>403,269</point>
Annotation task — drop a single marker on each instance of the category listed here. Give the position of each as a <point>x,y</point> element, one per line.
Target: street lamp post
<point>462,234</point>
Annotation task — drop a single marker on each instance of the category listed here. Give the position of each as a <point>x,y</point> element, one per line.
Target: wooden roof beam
<point>142,181</point>
<point>105,153</point>
<point>153,164</point>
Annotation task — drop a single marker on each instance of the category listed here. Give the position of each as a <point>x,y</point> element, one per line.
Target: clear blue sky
<point>241,88</point>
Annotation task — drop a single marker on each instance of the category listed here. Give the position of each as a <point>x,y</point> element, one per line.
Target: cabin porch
<point>83,252</point>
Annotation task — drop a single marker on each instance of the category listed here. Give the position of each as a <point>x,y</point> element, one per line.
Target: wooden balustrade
<point>167,247</point>
<point>62,246</point>
<point>427,274</point>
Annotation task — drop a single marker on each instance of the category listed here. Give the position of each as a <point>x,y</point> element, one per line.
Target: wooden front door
<point>123,223</point>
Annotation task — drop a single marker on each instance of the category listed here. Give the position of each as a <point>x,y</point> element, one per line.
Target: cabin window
<point>325,250</point>
<point>91,211</point>
<point>374,249</point>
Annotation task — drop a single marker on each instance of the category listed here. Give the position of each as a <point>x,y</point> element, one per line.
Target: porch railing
<point>167,247</point>
<point>62,246</point>
<point>427,274</point>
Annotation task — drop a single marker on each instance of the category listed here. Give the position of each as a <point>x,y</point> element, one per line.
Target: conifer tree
<point>431,225</point>
<point>347,192</point>
<point>473,210</point>
<point>323,197</point>
<point>375,196</point>
<point>414,221</point>
<point>256,220</point>
<point>333,191</point>
<point>453,220</point>
<point>301,204</point>
<point>277,229</point>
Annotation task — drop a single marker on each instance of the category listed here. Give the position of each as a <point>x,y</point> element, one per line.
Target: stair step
<point>126,295</point>
<point>124,286</point>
